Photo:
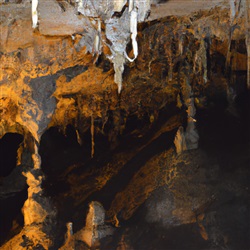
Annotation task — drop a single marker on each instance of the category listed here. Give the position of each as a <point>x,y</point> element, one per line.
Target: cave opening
<point>59,150</point>
<point>8,152</point>
<point>13,188</point>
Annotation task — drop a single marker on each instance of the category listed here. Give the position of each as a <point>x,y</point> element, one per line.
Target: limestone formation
<point>121,74</point>
<point>94,230</point>
<point>180,141</point>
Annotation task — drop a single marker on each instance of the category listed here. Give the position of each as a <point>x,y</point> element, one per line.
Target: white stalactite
<point>80,4</point>
<point>131,5</point>
<point>118,5</point>
<point>34,13</point>
<point>232,9</point>
<point>133,30</point>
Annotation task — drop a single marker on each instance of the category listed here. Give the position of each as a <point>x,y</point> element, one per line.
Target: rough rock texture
<point>63,73</point>
<point>94,230</point>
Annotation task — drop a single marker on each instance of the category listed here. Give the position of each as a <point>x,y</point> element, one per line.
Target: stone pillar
<point>37,209</point>
<point>32,210</point>
<point>188,139</point>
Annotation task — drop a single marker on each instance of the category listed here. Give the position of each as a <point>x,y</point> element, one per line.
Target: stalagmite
<point>37,209</point>
<point>69,232</point>
<point>95,228</point>
<point>191,134</point>
<point>69,240</point>
<point>180,141</point>
<point>32,210</point>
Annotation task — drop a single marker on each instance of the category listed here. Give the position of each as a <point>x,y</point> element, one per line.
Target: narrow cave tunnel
<point>13,188</point>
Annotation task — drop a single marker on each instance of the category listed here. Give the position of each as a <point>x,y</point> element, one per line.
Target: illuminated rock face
<point>41,70</point>
<point>63,73</point>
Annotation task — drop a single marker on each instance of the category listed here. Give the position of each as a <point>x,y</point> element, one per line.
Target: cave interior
<point>124,125</point>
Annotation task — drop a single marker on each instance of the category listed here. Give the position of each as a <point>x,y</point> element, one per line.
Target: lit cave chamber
<point>124,124</point>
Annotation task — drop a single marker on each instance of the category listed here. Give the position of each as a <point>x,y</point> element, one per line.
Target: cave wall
<point>51,79</point>
<point>53,76</point>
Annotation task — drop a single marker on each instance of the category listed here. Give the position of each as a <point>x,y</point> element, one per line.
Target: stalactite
<point>133,30</point>
<point>232,9</point>
<point>180,45</point>
<point>200,60</point>
<point>92,136</point>
<point>79,139</point>
<point>232,17</point>
<point>118,5</point>
<point>131,5</point>
<point>170,72</point>
<point>34,13</point>
<point>80,4</point>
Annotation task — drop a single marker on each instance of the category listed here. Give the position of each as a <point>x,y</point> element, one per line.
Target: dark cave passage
<point>13,188</point>
<point>58,150</point>
<point>8,152</point>
<point>12,220</point>
<point>226,129</point>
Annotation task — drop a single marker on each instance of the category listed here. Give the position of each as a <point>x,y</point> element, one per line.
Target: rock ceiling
<point>69,34</point>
